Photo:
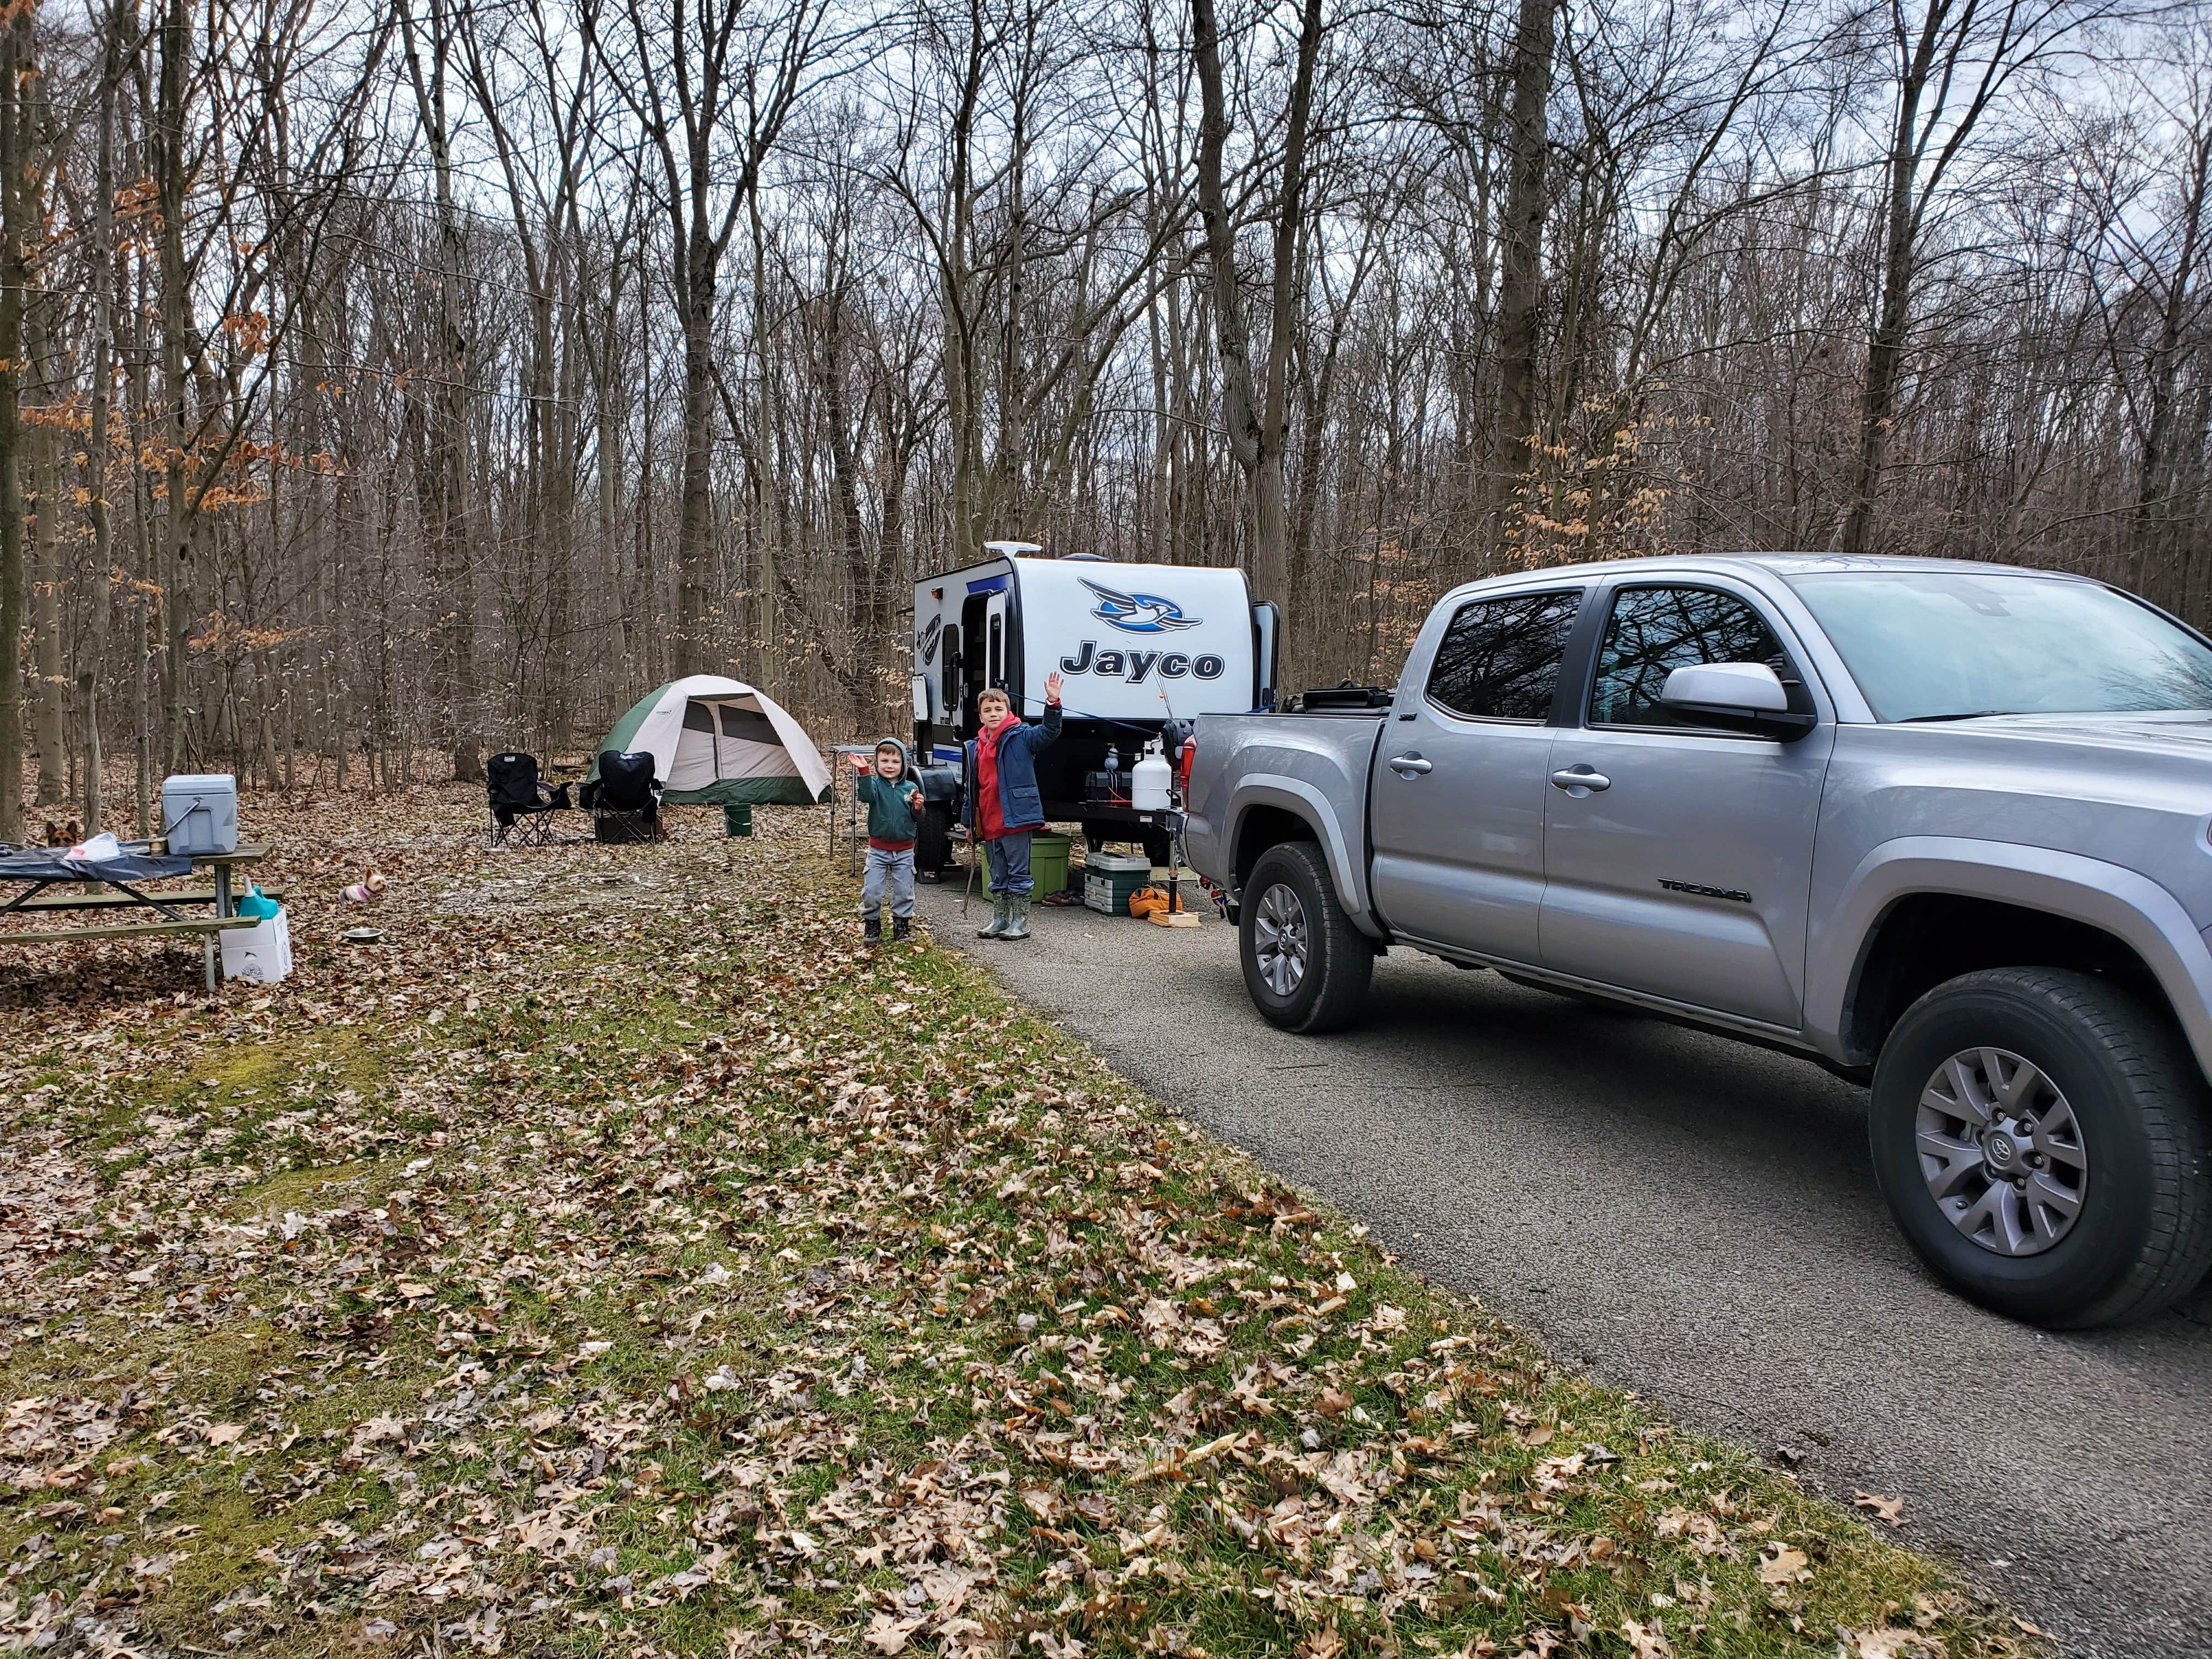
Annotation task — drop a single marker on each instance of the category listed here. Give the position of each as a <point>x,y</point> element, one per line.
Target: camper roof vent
<point>1082,558</point>
<point>1010,550</point>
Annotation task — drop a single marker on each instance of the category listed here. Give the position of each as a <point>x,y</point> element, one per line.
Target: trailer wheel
<point>932,843</point>
<point>1306,966</point>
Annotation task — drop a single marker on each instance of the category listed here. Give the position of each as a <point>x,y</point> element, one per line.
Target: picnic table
<point>125,891</point>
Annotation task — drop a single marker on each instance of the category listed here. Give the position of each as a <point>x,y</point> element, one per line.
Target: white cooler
<point>262,952</point>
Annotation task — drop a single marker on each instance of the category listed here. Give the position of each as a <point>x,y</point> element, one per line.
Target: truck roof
<point>1795,564</point>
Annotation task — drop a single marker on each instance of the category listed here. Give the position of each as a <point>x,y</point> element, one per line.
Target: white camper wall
<point>1135,641</point>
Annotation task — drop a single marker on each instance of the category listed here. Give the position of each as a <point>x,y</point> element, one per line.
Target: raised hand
<point>863,763</point>
<point>1052,684</point>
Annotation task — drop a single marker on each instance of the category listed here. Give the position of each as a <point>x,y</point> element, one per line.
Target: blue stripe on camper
<point>948,751</point>
<point>989,584</point>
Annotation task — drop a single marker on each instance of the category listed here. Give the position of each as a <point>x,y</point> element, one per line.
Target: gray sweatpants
<point>897,870</point>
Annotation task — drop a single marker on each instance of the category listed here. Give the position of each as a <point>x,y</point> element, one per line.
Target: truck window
<point>1653,631</point>
<point>1499,658</point>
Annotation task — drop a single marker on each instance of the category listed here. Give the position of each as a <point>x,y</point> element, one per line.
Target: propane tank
<point>1148,780</point>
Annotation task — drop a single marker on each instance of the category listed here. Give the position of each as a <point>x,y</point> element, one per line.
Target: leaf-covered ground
<point>616,1260</point>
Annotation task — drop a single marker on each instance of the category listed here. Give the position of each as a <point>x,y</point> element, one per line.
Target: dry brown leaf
<point>1783,1564</point>
<point>1889,1509</point>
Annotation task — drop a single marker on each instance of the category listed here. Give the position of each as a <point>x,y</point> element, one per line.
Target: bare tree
<point>1255,407</point>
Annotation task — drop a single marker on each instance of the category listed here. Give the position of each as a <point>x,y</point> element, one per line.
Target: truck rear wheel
<point>1306,966</point>
<point>2040,1135</point>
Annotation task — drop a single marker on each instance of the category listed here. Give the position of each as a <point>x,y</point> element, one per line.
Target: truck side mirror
<point>1736,696</point>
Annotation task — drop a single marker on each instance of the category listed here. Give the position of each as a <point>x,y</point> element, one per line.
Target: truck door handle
<point>1407,765</point>
<point>1580,777</point>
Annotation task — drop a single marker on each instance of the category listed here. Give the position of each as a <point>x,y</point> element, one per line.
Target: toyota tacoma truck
<point>1943,828</point>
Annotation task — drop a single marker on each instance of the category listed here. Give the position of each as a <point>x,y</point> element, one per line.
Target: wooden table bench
<point>129,897</point>
<point>117,901</point>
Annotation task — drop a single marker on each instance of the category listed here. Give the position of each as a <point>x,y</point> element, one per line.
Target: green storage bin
<point>736,820</point>
<point>1048,862</point>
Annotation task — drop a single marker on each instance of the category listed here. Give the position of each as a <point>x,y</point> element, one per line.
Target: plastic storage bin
<point>1110,880</point>
<point>262,952</point>
<point>199,812</point>
<point>1049,863</point>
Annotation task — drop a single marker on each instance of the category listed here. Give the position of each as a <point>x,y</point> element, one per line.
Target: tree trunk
<point>170,185</point>
<point>14,238</point>
<point>694,521</point>
<point>98,597</point>
<point>1520,294</point>
<point>1257,429</point>
<point>2156,512</point>
<point>39,458</point>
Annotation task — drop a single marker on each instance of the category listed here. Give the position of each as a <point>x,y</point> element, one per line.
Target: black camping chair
<point>521,803</point>
<point>625,799</point>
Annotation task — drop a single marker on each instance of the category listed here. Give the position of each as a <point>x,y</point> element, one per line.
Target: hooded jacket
<point>1021,806</point>
<point>891,821</point>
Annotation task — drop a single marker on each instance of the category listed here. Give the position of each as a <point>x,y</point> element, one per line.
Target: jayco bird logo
<point>1137,613</point>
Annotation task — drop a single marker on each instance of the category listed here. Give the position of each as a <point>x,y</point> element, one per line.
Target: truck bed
<point>1315,763</point>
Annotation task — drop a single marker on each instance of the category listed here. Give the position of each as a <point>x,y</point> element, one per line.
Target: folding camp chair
<point>625,798</point>
<point>519,802</point>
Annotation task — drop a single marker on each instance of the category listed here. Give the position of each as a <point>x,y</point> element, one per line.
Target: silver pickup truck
<point>1943,828</point>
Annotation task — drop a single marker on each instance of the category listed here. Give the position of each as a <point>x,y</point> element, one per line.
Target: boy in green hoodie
<point>893,797</point>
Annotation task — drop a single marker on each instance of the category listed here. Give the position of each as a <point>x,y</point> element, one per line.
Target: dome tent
<point>719,742</point>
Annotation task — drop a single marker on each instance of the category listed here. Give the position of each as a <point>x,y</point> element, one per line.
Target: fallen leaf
<point>1889,1509</point>
<point>1782,1564</point>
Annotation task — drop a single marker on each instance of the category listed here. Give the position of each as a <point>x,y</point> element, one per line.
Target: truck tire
<point>2041,1136</point>
<point>1306,966</point>
<point>933,841</point>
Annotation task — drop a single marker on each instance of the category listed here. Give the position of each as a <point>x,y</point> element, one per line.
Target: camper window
<point>951,648</point>
<point>998,651</point>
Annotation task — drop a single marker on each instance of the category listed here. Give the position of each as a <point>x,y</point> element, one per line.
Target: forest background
<point>385,381</point>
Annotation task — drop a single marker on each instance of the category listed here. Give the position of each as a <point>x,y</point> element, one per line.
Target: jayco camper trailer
<point>1138,646</point>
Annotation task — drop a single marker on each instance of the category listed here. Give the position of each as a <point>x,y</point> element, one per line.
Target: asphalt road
<point>1697,1221</point>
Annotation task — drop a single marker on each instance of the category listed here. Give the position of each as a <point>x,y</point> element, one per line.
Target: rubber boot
<point>872,930</point>
<point>1019,928</point>
<point>902,926</point>
<point>1001,914</point>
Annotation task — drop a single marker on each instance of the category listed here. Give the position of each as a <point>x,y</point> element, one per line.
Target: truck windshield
<point>1948,646</point>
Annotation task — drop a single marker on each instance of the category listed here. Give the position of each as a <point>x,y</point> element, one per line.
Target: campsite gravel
<point>1696,1220</point>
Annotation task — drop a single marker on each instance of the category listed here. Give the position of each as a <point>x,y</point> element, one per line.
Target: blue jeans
<point>1008,861</point>
<point>894,870</point>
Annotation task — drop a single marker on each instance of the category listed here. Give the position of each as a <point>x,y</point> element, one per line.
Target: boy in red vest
<point>1004,807</point>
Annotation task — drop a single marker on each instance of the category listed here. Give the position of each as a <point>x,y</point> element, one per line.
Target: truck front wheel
<point>2040,1135</point>
<point>1306,966</point>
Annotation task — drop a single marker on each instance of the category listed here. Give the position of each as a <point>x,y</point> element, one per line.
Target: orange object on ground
<point>1145,900</point>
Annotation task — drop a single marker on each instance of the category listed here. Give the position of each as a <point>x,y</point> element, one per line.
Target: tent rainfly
<point>719,742</point>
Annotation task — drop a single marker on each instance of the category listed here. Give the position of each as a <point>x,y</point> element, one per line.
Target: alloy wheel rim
<point>2002,1151</point>
<point>1279,940</point>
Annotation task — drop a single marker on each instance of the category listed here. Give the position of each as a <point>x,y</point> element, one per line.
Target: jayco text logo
<point>1136,665</point>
